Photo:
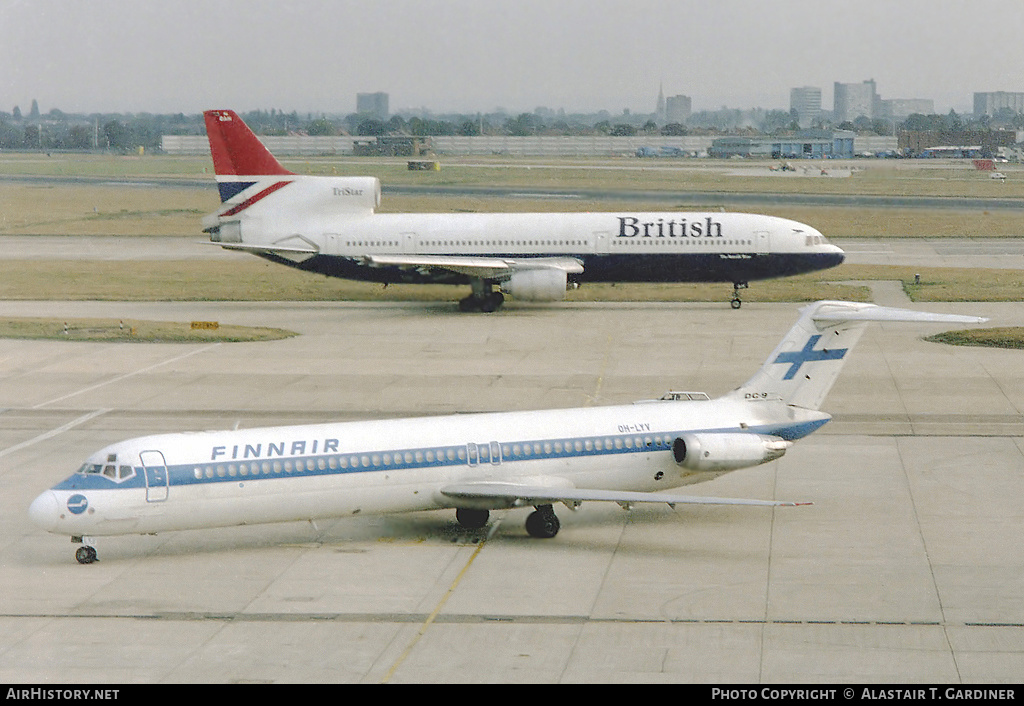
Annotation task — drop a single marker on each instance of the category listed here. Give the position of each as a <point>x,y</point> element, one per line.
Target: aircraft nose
<point>45,510</point>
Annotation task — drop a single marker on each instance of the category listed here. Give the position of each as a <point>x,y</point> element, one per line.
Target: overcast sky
<point>476,55</point>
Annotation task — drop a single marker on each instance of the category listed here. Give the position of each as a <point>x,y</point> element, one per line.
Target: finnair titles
<point>329,225</point>
<point>473,463</point>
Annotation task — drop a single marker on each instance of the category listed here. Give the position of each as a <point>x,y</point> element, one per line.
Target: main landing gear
<point>542,523</point>
<point>736,287</point>
<point>484,298</point>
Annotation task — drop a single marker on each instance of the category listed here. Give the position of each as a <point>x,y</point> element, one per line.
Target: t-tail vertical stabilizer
<point>804,366</point>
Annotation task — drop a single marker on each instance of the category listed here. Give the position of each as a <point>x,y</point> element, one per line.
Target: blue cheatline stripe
<point>233,470</point>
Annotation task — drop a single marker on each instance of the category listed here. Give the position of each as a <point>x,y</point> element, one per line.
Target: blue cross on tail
<point>808,355</point>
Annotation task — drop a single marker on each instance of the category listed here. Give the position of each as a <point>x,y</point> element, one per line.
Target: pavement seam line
<point>440,606</point>
<point>54,432</point>
<point>125,376</point>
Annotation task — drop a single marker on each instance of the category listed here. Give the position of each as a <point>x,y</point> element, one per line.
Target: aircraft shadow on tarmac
<point>593,528</point>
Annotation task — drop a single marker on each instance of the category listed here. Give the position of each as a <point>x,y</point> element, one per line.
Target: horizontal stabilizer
<point>827,314</point>
<point>269,248</point>
<point>516,495</point>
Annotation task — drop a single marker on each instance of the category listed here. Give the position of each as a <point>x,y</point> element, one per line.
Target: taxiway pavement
<point>907,568</point>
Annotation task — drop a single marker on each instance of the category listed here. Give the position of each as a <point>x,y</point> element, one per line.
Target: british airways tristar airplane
<point>474,463</point>
<point>328,225</point>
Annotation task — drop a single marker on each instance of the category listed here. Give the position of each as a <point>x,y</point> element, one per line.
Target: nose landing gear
<point>736,287</point>
<point>86,554</point>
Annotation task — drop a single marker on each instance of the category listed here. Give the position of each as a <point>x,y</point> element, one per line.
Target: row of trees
<point>57,130</point>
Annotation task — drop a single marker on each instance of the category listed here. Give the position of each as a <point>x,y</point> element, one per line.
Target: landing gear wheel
<point>492,302</point>
<point>736,303</point>
<point>86,555</point>
<point>484,298</point>
<point>543,523</point>
<point>470,518</point>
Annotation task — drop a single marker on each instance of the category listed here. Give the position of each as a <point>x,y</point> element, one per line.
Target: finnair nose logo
<point>795,359</point>
<point>77,504</point>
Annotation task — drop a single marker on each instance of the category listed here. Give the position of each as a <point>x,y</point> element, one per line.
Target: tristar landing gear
<point>542,523</point>
<point>736,287</point>
<point>484,298</point>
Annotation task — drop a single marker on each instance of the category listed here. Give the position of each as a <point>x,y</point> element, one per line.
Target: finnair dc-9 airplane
<point>473,463</point>
<point>328,225</point>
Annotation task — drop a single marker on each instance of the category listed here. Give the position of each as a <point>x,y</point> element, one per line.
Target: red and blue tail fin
<point>239,158</point>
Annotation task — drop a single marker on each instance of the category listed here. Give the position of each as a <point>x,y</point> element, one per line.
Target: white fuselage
<point>330,225</point>
<point>212,479</point>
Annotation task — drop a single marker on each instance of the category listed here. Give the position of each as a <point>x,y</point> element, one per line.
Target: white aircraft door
<point>600,241</point>
<point>409,243</point>
<point>762,242</point>
<point>157,478</point>
<point>484,453</point>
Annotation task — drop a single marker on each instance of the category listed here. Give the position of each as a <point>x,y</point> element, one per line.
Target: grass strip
<point>133,331</point>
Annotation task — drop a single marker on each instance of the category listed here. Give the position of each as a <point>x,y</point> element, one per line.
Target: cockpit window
<point>113,472</point>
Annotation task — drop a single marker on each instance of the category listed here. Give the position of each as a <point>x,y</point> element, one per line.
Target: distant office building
<point>677,109</point>
<point>855,100</point>
<point>901,108</point>
<point>992,103</point>
<point>805,102</point>
<point>375,104</point>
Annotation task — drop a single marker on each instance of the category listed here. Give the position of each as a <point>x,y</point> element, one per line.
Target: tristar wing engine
<point>538,285</point>
<point>727,451</point>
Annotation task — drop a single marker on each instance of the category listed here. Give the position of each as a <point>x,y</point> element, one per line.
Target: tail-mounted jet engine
<point>726,452</point>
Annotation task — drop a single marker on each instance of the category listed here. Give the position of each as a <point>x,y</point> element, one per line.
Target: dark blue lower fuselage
<point>661,267</point>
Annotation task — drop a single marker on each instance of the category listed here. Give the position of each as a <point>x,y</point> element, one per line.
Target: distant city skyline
<point>469,56</point>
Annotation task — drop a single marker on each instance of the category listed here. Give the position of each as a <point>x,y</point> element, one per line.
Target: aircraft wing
<point>495,268</point>
<point>518,495</point>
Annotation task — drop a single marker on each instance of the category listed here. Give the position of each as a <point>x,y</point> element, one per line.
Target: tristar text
<point>631,227</point>
<point>347,191</point>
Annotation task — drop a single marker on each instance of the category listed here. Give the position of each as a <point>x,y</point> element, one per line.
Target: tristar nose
<point>45,510</point>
